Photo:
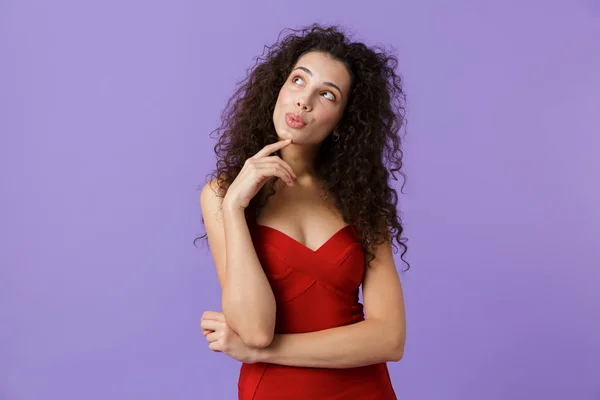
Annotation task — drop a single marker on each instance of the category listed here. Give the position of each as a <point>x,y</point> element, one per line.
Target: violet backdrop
<point>105,115</point>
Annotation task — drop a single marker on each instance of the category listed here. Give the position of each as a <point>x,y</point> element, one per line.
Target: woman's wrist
<point>229,206</point>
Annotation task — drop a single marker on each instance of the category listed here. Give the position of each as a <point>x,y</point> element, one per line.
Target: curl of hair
<point>355,170</point>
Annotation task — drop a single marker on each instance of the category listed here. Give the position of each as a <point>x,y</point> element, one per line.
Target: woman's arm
<point>247,299</point>
<point>379,338</point>
<point>364,343</point>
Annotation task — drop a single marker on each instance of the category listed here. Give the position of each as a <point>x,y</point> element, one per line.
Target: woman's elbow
<point>258,340</point>
<point>396,355</point>
<point>397,350</point>
<point>259,335</point>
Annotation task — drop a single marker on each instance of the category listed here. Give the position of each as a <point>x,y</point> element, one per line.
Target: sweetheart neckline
<point>337,233</point>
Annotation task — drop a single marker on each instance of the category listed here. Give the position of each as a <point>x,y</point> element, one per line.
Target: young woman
<point>300,213</point>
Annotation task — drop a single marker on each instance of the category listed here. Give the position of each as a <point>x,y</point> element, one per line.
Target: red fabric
<point>314,290</point>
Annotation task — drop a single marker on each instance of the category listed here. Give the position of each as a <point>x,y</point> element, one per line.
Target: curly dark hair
<point>356,168</point>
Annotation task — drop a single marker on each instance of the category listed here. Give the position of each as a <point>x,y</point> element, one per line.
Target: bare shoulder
<point>211,202</point>
<point>211,205</point>
<point>211,195</point>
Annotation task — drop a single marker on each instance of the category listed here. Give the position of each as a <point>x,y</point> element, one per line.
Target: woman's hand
<point>221,338</point>
<point>257,170</point>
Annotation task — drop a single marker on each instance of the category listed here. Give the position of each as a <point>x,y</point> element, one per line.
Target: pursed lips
<point>297,118</point>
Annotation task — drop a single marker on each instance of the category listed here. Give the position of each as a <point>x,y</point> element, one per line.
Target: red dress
<point>314,290</point>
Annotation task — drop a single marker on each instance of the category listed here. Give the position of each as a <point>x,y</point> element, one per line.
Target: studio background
<point>105,115</point>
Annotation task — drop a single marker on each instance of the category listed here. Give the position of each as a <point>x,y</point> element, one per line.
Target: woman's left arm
<point>379,338</point>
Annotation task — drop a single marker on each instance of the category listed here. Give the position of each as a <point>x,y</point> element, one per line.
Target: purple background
<point>105,111</point>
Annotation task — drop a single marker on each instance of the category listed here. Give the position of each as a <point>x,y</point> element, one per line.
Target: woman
<point>290,260</point>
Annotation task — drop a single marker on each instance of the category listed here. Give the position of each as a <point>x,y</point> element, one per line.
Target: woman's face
<point>312,100</point>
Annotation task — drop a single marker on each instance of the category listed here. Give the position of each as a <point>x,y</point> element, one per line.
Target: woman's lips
<point>294,120</point>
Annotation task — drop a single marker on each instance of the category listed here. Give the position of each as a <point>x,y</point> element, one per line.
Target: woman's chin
<point>285,135</point>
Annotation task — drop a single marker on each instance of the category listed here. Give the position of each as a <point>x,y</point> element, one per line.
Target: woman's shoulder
<point>212,194</point>
<point>217,185</point>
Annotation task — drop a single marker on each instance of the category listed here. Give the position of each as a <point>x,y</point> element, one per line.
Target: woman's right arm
<point>247,299</point>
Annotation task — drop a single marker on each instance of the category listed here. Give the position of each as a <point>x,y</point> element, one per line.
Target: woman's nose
<point>303,103</point>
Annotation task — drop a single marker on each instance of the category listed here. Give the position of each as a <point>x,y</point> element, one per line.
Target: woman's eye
<point>300,81</point>
<point>331,96</point>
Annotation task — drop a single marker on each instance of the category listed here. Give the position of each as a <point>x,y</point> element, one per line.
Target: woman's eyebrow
<point>308,71</point>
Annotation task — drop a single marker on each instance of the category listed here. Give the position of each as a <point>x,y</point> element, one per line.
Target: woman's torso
<point>315,265</point>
